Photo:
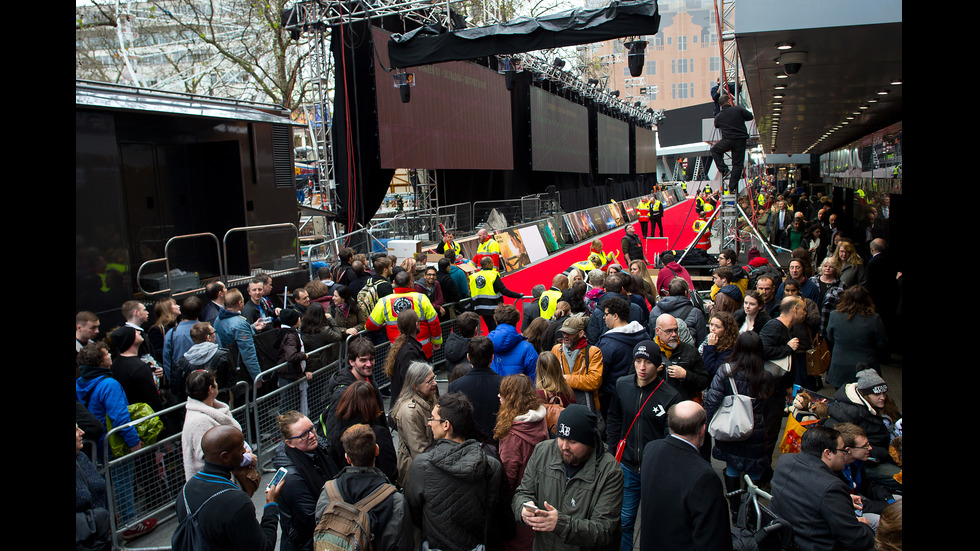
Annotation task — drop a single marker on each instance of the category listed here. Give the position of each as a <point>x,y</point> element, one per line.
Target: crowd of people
<point>576,423</point>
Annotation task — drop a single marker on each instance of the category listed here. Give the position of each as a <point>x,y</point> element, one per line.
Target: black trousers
<point>737,147</point>
<point>657,222</point>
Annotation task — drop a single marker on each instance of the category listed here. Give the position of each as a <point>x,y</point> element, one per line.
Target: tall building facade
<point>682,61</point>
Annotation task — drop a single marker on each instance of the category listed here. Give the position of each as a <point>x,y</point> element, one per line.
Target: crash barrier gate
<point>145,483</point>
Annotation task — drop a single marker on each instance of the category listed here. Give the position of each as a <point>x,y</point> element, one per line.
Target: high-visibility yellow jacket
<point>385,315</point>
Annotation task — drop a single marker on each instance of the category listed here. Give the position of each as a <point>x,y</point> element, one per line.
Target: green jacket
<point>589,504</point>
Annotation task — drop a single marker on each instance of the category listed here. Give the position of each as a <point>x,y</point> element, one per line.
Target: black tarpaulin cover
<point>426,45</point>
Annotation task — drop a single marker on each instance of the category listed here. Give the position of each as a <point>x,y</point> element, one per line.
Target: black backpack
<point>188,535</point>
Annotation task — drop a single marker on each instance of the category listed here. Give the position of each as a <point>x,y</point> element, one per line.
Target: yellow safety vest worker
<point>584,266</point>
<point>482,292</point>
<point>548,303</point>
<point>385,315</point>
<point>489,248</point>
<point>658,209</point>
<point>643,211</point>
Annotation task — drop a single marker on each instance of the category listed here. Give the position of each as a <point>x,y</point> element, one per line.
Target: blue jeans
<point>631,502</point>
<point>755,475</point>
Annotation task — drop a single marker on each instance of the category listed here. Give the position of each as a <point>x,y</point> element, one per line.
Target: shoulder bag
<point>734,420</point>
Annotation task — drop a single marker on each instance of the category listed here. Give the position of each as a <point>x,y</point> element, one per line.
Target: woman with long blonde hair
<point>639,268</point>
<point>850,267</point>
<point>550,381</point>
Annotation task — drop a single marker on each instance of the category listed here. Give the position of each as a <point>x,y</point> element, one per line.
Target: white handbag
<point>734,420</point>
<point>778,367</point>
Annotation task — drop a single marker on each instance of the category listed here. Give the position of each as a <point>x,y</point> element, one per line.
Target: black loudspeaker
<point>636,56</point>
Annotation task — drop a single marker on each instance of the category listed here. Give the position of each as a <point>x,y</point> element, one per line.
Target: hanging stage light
<point>404,82</point>
<point>508,66</point>
<point>636,56</point>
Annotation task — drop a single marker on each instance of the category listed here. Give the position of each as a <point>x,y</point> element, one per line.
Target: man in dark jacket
<point>453,488</point>
<point>617,346</point>
<point>613,284</point>
<point>683,501</point>
<point>481,385</point>
<point>678,304</point>
<point>731,122</point>
<point>390,526</point>
<point>684,367</point>
<point>450,292</point>
<point>360,367</point>
<point>228,521</point>
<point>205,354</point>
<point>807,492</point>
<point>637,415</point>
<point>457,343</point>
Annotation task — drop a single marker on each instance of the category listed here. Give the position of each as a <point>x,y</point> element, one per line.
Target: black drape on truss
<point>425,45</point>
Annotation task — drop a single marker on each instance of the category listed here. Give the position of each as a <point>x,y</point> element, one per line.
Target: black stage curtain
<point>427,45</point>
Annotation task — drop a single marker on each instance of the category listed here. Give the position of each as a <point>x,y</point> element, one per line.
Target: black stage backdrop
<point>362,190</point>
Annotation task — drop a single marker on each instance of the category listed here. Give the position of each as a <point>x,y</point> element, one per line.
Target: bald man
<point>683,503</point>
<point>228,520</point>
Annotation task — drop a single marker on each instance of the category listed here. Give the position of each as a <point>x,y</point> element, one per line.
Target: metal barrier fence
<point>145,483</point>
<point>307,397</point>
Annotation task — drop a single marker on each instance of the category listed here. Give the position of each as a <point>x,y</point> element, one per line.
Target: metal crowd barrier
<point>144,484</point>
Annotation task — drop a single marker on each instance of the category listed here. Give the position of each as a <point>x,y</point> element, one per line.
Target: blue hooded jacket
<point>105,398</point>
<point>511,352</point>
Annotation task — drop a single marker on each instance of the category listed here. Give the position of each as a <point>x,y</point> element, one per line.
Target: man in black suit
<point>683,504</point>
<point>779,222</point>
<point>882,286</point>
<point>481,385</point>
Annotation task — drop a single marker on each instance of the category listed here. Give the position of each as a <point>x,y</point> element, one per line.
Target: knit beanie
<point>289,317</point>
<point>869,382</point>
<point>733,292</point>
<point>577,422</point>
<point>647,349</point>
<point>123,338</point>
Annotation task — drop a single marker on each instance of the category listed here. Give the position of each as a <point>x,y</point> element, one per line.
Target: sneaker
<point>140,529</point>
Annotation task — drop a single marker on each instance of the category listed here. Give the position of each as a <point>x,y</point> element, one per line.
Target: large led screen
<point>614,145</point>
<point>458,117</point>
<point>559,133</point>
<point>646,151</point>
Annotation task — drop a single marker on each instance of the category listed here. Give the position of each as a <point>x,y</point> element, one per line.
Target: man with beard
<point>684,367</point>
<point>572,491</point>
<point>581,364</point>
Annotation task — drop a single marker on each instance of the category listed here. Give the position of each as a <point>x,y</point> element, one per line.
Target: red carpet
<point>677,223</point>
